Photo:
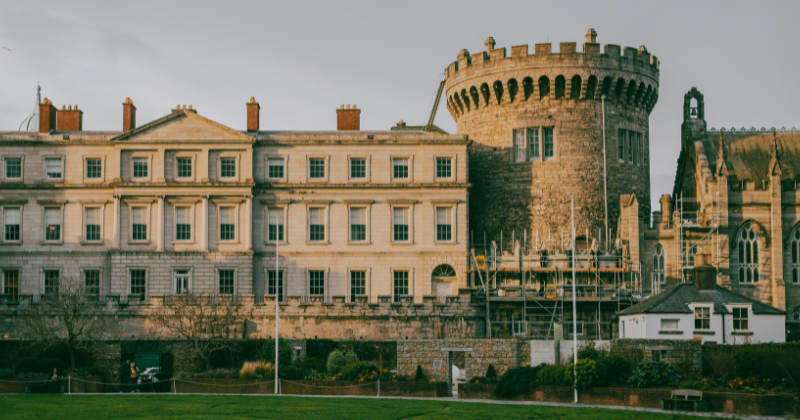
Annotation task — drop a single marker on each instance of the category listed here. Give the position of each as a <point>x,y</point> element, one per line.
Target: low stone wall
<point>728,402</point>
<point>223,386</point>
<point>502,354</point>
<point>683,354</point>
<point>300,387</point>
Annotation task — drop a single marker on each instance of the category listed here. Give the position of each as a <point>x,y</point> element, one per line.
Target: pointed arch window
<point>658,265</point>
<point>747,242</point>
<point>795,247</point>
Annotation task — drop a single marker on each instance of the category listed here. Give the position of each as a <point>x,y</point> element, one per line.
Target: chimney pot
<point>47,116</point>
<point>70,118</point>
<point>253,115</point>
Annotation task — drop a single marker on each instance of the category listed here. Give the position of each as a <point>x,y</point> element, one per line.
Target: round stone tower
<point>536,122</point>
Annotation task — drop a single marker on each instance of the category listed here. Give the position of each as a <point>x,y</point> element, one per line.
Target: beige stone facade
<point>376,220</point>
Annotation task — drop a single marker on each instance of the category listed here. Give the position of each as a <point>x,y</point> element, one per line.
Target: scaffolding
<point>529,288</point>
<point>697,222</point>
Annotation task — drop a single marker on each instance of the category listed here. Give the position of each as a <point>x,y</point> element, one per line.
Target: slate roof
<point>677,300</point>
<point>748,154</point>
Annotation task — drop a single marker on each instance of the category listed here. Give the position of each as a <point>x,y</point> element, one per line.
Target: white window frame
<point>519,328</point>
<point>452,206</point>
<point>237,157</point>
<point>410,178</point>
<point>285,160</point>
<point>520,155</point>
<point>749,310</point>
<point>3,207</point>
<point>659,274</point>
<point>754,267</point>
<point>191,204</point>
<point>571,324</point>
<point>677,321</point>
<point>624,133</point>
<point>283,205</point>
<point>367,206</point>
<point>182,155</point>
<point>326,162</point>
<point>99,279</point>
<point>147,209</point>
<point>7,268</point>
<point>411,283</point>
<point>45,158</point>
<point>640,148</point>
<point>146,280</point>
<point>367,168</point>
<point>174,279</point>
<point>282,273</point>
<point>710,308</point>
<point>236,225</point>
<point>52,204</point>
<point>235,279</point>
<point>325,205</point>
<point>410,206</point>
<point>149,158</point>
<point>367,283</point>
<point>453,166</point>
<point>86,178</point>
<point>325,282</point>
<point>555,143</point>
<point>102,207</point>
<point>42,277</point>
<point>21,168</point>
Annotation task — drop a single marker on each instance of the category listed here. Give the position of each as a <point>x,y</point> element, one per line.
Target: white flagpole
<point>574,311</point>
<point>277,291</point>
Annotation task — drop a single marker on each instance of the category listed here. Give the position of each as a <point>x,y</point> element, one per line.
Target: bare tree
<point>206,323</point>
<point>70,317</point>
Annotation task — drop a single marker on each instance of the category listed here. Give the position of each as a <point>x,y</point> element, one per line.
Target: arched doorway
<point>443,281</point>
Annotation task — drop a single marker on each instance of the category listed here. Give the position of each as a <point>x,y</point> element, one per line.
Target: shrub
<point>587,374</point>
<point>703,384</point>
<point>311,363</point>
<point>320,349</point>
<point>589,351</point>
<point>284,352</point>
<point>248,370</point>
<point>359,371</point>
<point>32,365</point>
<point>650,372</point>
<point>491,374</point>
<point>6,373</point>
<point>613,369</point>
<point>419,376</point>
<point>337,360</point>
<point>314,375</point>
<point>516,381</point>
<point>478,380</point>
<point>290,372</point>
<point>265,369</point>
<point>552,375</point>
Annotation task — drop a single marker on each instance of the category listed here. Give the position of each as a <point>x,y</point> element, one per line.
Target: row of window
<point>702,320</point>
<point>358,223</point>
<point>316,285</point>
<point>358,168</point>
<point>747,265</point>
<point>630,142</point>
<point>93,170</point>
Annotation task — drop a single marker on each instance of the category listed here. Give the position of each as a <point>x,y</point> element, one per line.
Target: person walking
<point>134,377</point>
<point>125,375</point>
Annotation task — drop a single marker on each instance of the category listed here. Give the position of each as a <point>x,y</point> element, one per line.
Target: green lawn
<point>118,407</point>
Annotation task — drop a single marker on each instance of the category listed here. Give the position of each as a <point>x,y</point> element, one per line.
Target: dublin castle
<point>406,232</point>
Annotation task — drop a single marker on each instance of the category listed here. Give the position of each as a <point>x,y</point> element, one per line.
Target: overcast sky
<point>301,60</point>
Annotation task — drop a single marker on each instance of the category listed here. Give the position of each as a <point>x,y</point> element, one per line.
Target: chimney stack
<point>47,116</point>
<point>705,276</point>
<point>348,119</point>
<point>253,115</point>
<point>128,115</point>
<point>69,118</point>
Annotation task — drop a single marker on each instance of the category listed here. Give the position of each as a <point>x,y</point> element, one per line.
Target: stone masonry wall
<point>503,354</point>
<point>675,352</point>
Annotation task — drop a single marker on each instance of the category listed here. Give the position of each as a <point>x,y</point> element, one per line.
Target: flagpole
<point>574,311</point>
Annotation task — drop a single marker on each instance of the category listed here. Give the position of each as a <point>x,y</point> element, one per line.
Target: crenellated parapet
<point>627,76</point>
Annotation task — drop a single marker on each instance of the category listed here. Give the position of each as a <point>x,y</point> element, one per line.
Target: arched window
<point>473,92</point>
<point>561,86</point>
<point>512,89</point>
<point>689,252</point>
<point>443,271</point>
<point>748,255</point>
<point>498,90</point>
<point>591,87</point>
<point>527,87</point>
<point>796,256</point>
<point>658,265</point>
<point>575,87</point>
<point>544,87</point>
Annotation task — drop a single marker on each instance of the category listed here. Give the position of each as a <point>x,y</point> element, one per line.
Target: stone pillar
<point>115,229</point>
<point>723,259</point>
<point>160,228</point>
<point>204,225</point>
<point>776,245</point>
<point>248,233</point>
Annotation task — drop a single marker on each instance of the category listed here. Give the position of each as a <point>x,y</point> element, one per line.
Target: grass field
<point>120,407</point>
